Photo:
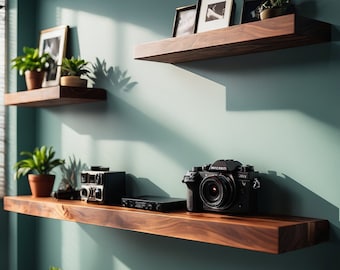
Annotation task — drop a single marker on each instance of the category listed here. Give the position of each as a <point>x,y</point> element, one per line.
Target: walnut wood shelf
<point>267,35</point>
<point>259,233</point>
<point>55,96</point>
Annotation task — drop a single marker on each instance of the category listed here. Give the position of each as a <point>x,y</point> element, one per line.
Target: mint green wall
<point>277,111</point>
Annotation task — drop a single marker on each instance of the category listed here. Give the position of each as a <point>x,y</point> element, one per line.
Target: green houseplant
<point>71,71</point>
<point>274,8</point>
<point>70,171</point>
<point>38,166</point>
<point>32,65</point>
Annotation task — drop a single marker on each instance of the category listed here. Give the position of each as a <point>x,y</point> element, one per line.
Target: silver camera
<point>102,186</point>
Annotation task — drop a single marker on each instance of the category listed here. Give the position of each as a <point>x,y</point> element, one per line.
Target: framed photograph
<point>184,21</point>
<point>249,13</point>
<point>53,41</point>
<point>214,14</point>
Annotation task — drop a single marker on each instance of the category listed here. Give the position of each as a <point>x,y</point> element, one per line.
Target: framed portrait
<point>53,41</point>
<point>185,21</point>
<point>214,14</point>
<point>249,13</point>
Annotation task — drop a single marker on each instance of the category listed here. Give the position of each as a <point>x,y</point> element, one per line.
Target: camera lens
<point>84,194</point>
<point>211,191</point>
<point>218,191</point>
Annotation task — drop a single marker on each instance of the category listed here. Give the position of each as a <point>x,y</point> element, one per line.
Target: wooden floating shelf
<point>271,34</point>
<point>55,96</point>
<point>259,233</point>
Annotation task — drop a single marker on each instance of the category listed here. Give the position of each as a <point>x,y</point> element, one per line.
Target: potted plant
<point>71,71</point>
<point>71,171</point>
<point>274,8</point>
<point>32,65</point>
<point>38,166</point>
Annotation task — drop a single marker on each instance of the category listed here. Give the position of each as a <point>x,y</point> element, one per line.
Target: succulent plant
<point>74,67</point>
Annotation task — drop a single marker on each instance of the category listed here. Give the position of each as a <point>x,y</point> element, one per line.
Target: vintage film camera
<point>225,186</point>
<point>102,186</point>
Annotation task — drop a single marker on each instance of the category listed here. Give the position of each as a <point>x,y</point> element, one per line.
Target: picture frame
<point>185,21</point>
<point>249,11</point>
<point>53,41</point>
<point>214,14</point>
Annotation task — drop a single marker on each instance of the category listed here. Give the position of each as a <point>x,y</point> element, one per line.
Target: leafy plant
<point>70,172</point>
<point>31,60</point>
<point>54,268</point>
<point>267,4</point>
<point>40,161</point>
<point>74,67</point>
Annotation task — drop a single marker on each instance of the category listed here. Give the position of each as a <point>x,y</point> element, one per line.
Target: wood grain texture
<point>260,233</point>
<point>271,34</point>
<point>54,96</point>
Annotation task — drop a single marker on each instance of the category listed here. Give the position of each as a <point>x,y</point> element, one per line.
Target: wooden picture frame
<point>53,41</point>
<point>214,14</point>
<point>249,11</point>
<point>185,21</point>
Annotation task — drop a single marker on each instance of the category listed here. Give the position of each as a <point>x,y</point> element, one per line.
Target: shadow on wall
<point>4,227</point>
<point>286,197</point>
<point>112,78</point>
<point>138,186</point>
<point>305,79</point>
<point>282,195</point>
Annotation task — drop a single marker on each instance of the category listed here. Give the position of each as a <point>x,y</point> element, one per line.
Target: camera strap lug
<point>256,184</point>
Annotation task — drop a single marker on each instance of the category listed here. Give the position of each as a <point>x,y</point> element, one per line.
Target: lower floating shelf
<point>55,96</point>
<point>259,233</point>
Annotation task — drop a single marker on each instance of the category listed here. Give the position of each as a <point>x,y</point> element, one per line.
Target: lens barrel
<point>218,191</point>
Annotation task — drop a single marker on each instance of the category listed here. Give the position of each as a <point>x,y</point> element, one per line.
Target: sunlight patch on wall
<point>118,264</point>
<point>98,37</point>
<point>71,253</point>
<point>107,39</point>
<point>168,95</point>
<point>83,148</point>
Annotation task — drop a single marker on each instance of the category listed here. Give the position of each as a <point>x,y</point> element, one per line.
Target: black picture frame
<point>248,13</point>
<point>185,22</point>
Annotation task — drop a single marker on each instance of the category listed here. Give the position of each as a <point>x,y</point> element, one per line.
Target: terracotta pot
<point>34,79</point>
<point>273,12</point>
<point>41,184</point>
<point>73,81</point>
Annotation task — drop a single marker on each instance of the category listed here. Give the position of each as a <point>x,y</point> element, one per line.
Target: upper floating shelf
<point>55,96</point>
<point>271,34</point>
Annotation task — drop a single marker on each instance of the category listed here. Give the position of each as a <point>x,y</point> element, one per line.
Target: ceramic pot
<point>73,81</point>
<point>273,12</point>
<point>34,79</point>
<point>41,184</point>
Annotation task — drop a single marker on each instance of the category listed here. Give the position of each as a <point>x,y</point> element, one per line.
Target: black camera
<point>225,186</point>
<point>102,186</point>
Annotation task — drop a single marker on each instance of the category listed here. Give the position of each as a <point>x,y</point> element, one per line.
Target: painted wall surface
<point>276,110</point>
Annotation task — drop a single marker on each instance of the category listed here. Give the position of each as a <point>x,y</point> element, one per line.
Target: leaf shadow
<point>110,77</point>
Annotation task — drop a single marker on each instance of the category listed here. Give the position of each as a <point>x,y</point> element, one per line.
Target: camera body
<point>226,186</point>
<point>102,186</point>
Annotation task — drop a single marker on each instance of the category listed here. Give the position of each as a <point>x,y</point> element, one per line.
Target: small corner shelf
<point>54,96</point>
<point>269,234</point>
<point>271,34</point>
